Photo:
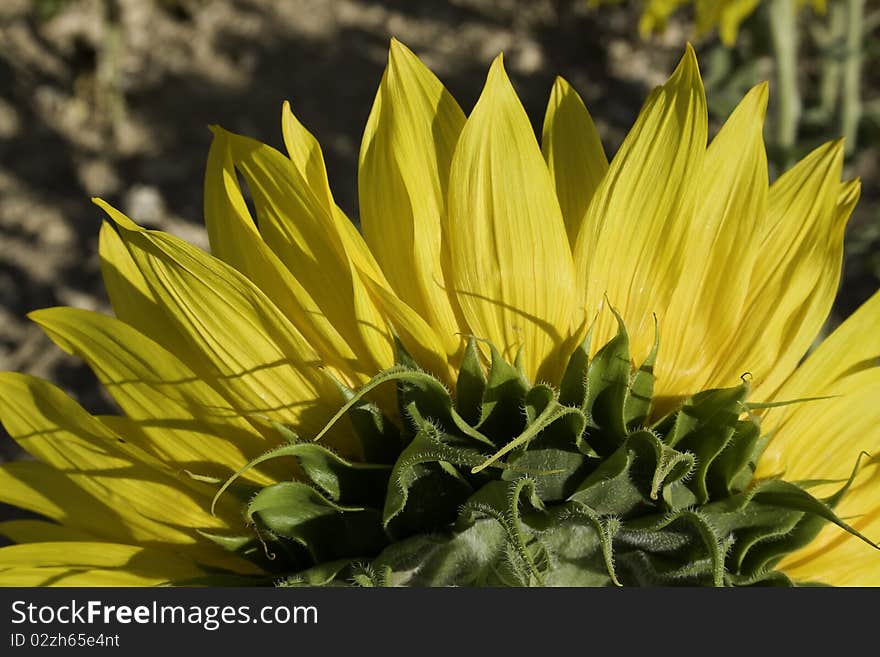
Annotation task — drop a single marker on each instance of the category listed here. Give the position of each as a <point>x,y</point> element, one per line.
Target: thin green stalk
<point>783,30</point>
<point>851,112</point>
<point>833,47</point>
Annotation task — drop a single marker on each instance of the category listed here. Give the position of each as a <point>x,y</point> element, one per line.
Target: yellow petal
<point>318,245</point>
<point>403,177</point>
<point>40,531</point>
<point>574,154</point>
<point>835,557</point>
<point>41,489</point>
<point>273,373</point>
<point>53,428</point>
<point>131,298</point>
<point>795,278</point>
<point>417,336</point>
<point>235,239</point>
<point>726,15</point>
<point>822,439</point>
<point>91,564</point>
<point>305,153</point>
<point>511,261</point>
<point>191,424</point>
<point>705,310</point>
<point>630,247</point>
<point>843,367</point>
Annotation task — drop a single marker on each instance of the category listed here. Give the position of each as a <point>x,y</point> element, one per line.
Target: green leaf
<point>422,494</point>
<point>607,388</point>
<point>637,407</point>
<point>470,385</point>
<point>327,530</point>
<point>704,426</point>
<point>573,389</point>
<point>506,388</point>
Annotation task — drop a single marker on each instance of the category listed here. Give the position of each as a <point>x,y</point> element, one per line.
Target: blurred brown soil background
<point>112,98</point>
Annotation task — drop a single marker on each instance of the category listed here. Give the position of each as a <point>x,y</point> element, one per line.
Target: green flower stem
<point>832,44</point>
<point>783,30</point>
<point>852,73</point>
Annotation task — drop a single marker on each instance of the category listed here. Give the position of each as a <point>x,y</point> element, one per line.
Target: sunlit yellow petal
<point>274,373</point>
<point>419,338</point>
<point>305,153</point>
<point>191,423</point>
<point>235,239</point>
<point>402,181</point>
<point>510,256</point>
<point>318,245</point>
<point>705,310</point>
<point>630,247</point>
<point>131,298</point>
<point>41,531</point>
<point>791,292</point>
<point>574,154</point>
<point>52,427</point>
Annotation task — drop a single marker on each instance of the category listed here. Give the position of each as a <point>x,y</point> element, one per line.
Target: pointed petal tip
<point>561,85</point>
<point>398,49</point>
<point>688,65</point>
<point>497,73</point>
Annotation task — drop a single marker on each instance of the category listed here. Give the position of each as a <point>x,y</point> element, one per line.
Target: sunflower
<point>531,366</point>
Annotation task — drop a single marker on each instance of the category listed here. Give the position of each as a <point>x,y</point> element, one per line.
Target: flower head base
<point>506,483</point>
<point>641,462</point>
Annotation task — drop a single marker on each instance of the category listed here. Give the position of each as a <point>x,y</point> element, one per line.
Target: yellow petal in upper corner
<point>630,247</point>
<point>402,183</point>
<point>511,261</point>
<point>574,154</point>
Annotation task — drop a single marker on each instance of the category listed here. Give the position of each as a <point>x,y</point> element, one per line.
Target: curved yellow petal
<point>403,177</point>
<point>274,373</point>
<point>630,247</point>
<point>843,367</point>
<point>192,423</point>
<point>41,531</point>
<point>131,298</point>
<point>148,497</point>
<point>305,153</point>
<point>835,557</point>
<point>235,239</point>
<point>822,439</point>
<point>705,310</point>
<point>574,154</point>
<point>91,564</point>
<point>511,261</point>
<point>41,489</point>
<point>795,280</point>
<point>317,244</point>
<point>418,337</point>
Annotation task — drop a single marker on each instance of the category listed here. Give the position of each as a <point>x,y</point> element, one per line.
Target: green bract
<point>508,483</point>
